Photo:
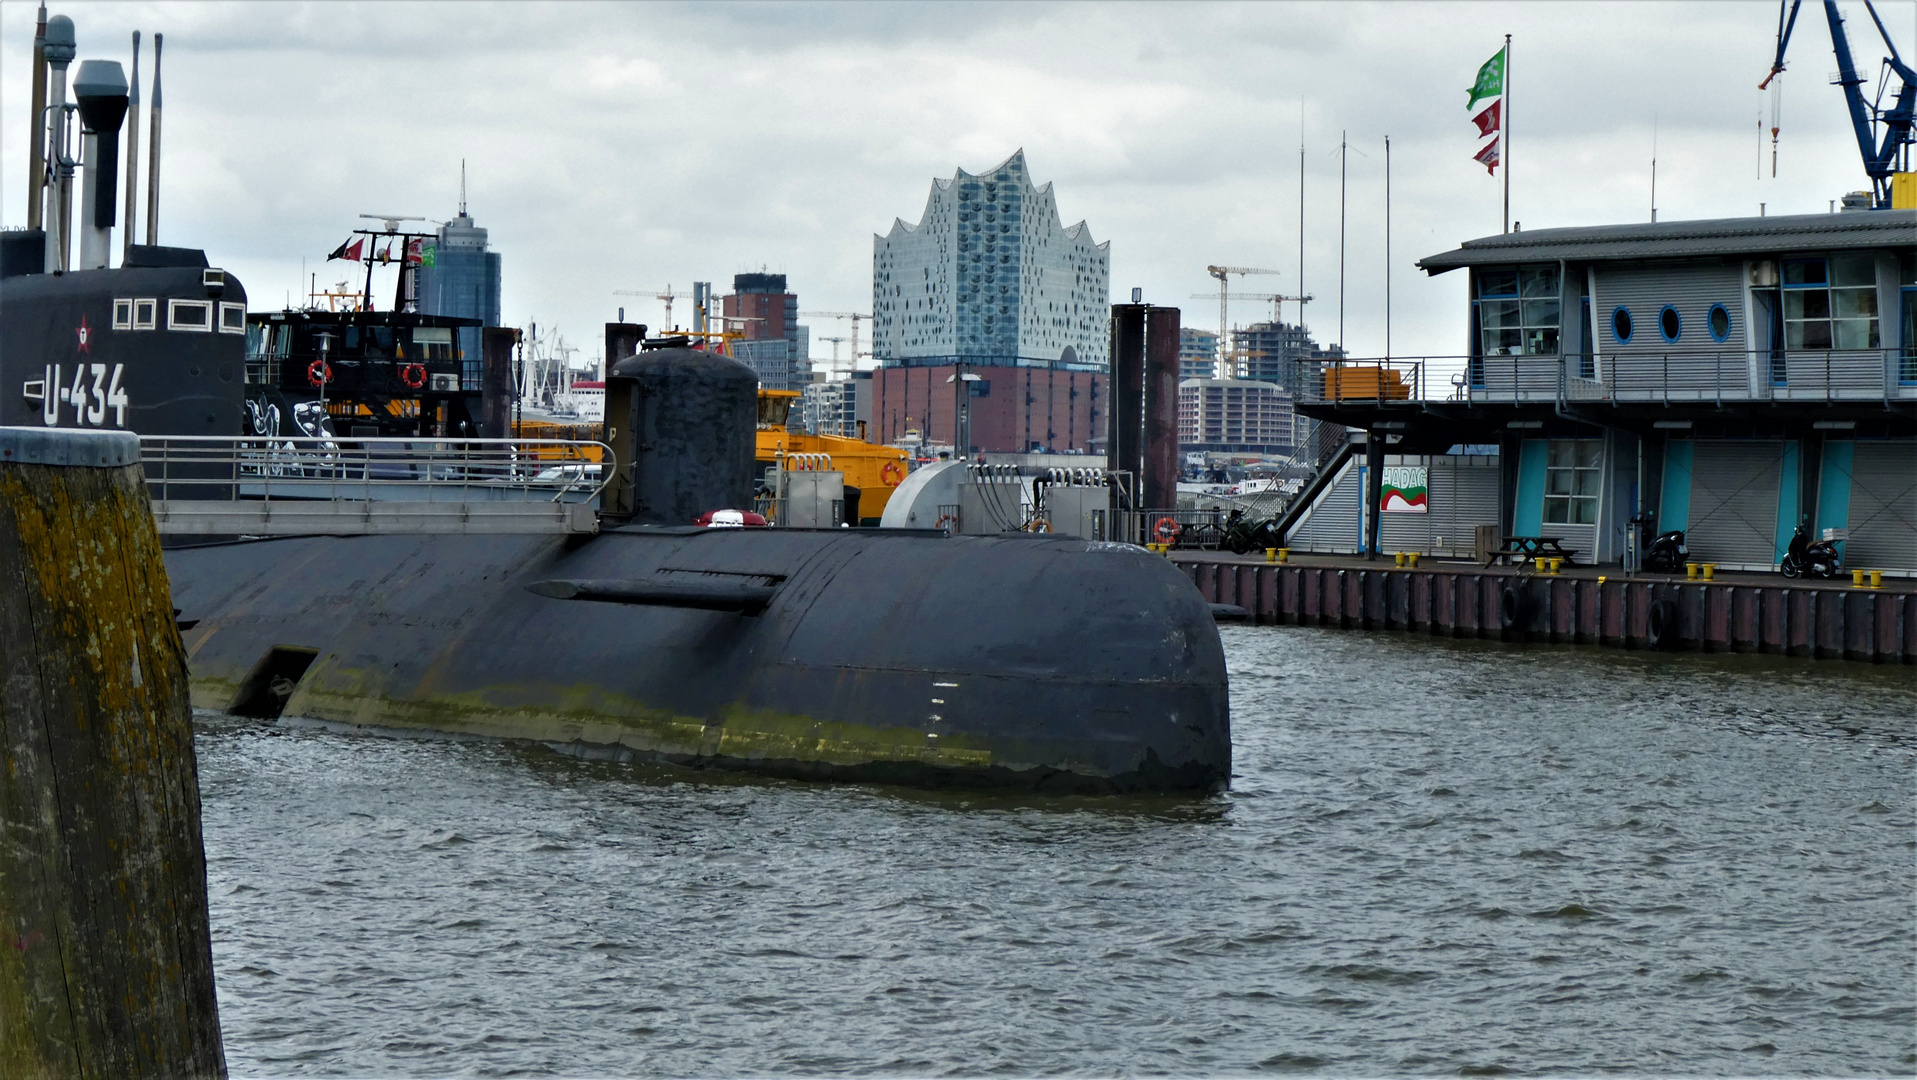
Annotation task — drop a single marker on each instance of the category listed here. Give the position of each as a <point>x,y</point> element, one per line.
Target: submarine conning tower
<point>682,425</point>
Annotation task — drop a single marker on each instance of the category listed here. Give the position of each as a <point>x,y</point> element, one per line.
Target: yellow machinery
<point>875,470</point>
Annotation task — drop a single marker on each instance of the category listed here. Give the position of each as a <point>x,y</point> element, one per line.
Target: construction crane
<point>1885,155</point>
<point>1223,274</point>
<point>665,294</point>
<point>835,353</point>
<point>1233,358</point>
<point>855,316</point>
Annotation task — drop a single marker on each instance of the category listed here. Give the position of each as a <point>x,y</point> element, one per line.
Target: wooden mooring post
<point>106,965</point>
<point>1824,620</point>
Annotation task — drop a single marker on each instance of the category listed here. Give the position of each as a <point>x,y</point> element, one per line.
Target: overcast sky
<point>630,146</point>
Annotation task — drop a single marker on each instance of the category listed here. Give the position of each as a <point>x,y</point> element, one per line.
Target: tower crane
<point>855,316</point>
<point>666,295</point>
<point>1223,274</point>
<point>835,352</point>
<point>1226,354</point>
<point>1883,156</point>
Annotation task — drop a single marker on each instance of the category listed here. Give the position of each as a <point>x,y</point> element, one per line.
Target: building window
<point>194,315</point>
<point>1831,303</point>
<point>1621,325</point>
<point>1719,323</point>
<point>1907,362</point>
<point>1670,325</point>
<point>1573,474</point>
<point>1518,311</point>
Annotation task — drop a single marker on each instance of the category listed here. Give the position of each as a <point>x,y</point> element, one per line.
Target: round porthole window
<point>1720,323</point>
<point>1621,324</point>
<point>1668,323</point>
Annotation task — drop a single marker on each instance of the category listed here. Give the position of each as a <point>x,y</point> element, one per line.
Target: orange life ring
<point>319,373</point>
<point>413,375</point>
<point>1167,530</point>
<point>892,474</point>
<point>946,519</point>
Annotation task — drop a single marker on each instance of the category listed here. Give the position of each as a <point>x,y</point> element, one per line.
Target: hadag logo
<point>1404,490</point>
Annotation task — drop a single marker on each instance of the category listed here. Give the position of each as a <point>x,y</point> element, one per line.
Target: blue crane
<point>1884,154</point>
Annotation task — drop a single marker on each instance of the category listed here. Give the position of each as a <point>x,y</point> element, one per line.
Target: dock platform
<point>1738,613</point>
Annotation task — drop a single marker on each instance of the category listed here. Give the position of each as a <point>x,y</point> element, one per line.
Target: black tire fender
<point>1665,631</point>
<point>1514,608</point>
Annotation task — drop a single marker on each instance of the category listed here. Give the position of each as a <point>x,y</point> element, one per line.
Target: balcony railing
<point>1673,376</point>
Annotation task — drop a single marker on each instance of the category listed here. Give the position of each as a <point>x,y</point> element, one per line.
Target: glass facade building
<point>460,277</point>
<point>990,277</point>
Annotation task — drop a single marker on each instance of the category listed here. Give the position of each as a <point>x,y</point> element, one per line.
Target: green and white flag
<point>1490,80</point>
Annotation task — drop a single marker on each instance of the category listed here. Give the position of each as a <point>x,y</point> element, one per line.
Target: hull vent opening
<point>272,681</point>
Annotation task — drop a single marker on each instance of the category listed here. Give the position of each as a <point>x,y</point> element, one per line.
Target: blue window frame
<point>1621,327</point>
<point>1718,322</point>
<point>1670,325</point>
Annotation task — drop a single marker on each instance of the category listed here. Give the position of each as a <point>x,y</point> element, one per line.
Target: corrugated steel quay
<point>1746,613</point>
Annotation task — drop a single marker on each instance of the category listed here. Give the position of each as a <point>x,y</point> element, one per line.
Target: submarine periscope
<point>871,655</point>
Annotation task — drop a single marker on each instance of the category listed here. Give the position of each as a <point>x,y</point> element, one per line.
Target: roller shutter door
<point>1883,506</point>
<point>1332,523</point>
<point>1464,495</point>
<point>1734,502</point>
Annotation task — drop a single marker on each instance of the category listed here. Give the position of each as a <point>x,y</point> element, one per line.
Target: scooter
<point>1665,554</point>
<point>1810,558</point>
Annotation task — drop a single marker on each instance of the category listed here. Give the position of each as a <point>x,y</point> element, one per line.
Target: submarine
<point>875,655</point>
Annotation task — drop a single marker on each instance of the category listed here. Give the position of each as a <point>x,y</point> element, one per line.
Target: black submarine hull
<point>863,655</point>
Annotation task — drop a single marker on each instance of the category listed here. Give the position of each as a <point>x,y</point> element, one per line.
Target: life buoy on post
<point>413,375</point>
<point>892,474</point>
<point>319,373</point>
<point>1167,530</point>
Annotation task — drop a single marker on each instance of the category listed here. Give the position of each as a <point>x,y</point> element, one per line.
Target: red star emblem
<point>85,332</point>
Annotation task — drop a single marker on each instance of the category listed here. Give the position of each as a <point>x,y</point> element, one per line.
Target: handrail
<point>222,467</point>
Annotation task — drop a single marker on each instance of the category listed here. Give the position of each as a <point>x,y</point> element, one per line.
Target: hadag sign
<point>1404,490</point>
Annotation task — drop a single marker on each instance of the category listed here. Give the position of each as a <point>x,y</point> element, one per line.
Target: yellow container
<point>1857,578</point>
<point>1710,571</point>
<point>1271,554</point>
<point>1284,554</point>
<point>1690,570</point>
<point>1876,579</point>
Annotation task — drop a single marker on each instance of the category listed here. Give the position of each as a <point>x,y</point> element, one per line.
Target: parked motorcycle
<point>1245,534</point>
<point>1810,558</point>
<point>1666,553</point>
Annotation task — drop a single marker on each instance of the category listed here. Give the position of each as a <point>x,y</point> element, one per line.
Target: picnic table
<point>1522,549</point>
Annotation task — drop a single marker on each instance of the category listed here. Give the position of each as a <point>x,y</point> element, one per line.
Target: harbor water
<point>1436,857</point>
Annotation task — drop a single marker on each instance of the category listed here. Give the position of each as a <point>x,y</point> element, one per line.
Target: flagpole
<point>1506,110</point>
<point>1387,247</point>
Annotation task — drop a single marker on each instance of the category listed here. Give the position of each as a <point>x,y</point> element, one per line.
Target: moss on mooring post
<point>106,966</point>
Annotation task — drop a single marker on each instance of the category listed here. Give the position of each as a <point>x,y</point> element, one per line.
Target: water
<point>1436,858</point>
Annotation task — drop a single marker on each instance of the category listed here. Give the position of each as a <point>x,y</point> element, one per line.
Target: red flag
<point>1488,157</point>
<point>414,249</point>
<point>348,251</point>
<point>1487,120</point>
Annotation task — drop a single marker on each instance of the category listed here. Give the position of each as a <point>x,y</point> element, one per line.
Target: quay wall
<point>1824,621</point>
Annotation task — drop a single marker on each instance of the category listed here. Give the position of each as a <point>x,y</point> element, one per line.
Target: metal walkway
<point>230,486</point>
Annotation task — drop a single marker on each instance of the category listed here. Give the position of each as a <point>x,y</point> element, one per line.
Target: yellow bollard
<point>1398,558</point>
<point>1556,564</point>
<point>1857,578</point>
<point>1271,554</point>
<point>1602,579</point>
<point>1876,579</point>
<point>1284,554</point>
<point>1710,571</point>
<point>1412,558</point>
<point>1690,571</point>
<point>1544,565</point>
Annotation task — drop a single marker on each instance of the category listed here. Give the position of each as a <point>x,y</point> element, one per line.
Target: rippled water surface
<point>1436,858</point>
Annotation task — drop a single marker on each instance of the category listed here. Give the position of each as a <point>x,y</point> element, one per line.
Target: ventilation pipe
<point>132,153</point>
<point>37,126</point>
<point>60,50</point>
<point>100,89</point>
<point>153,154</point>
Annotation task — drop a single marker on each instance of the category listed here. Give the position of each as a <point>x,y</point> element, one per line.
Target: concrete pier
<point>1746,614</point>
<point>106,965</point>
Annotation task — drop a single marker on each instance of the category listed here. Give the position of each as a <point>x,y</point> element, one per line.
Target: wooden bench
<point>1522,549</point>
